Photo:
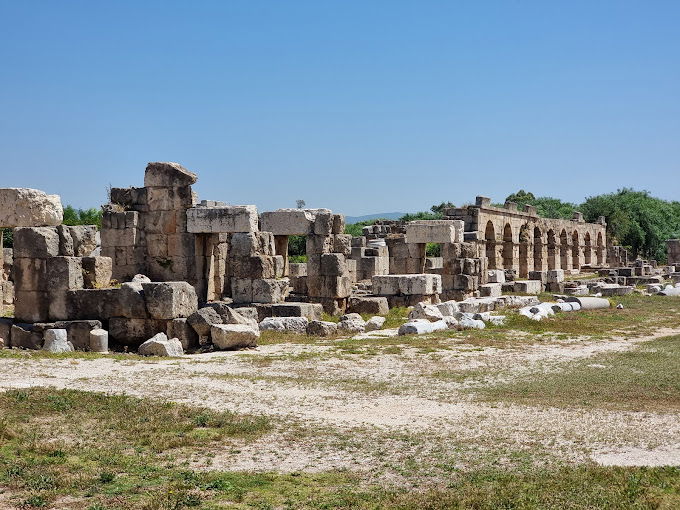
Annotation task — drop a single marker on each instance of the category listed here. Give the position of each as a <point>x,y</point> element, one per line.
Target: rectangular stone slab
<point>434,231</point>
<point>229,219</point>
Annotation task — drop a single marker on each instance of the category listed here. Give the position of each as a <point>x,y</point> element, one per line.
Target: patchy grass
<point>646,378</point>
<point>79,450</point>
<point>78,355</point>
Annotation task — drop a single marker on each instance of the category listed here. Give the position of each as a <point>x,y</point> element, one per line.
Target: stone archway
<point>538,249</point>
<point>507,247</point>
<point>490,242</point>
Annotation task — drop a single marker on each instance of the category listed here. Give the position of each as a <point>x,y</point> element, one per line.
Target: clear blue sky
<point>359,106</point>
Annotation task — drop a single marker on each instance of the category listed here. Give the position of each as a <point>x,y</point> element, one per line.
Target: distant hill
<point>385,216</point>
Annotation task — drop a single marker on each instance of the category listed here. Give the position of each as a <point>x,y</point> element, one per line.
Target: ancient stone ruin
<point>169,273</point>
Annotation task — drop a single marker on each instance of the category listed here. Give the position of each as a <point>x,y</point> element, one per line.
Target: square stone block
<point>169,300</point>
<point>36,242</point>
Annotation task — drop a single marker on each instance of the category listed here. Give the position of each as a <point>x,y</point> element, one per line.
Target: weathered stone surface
<point>26,336</point>
<point>31,306</point>
<point>295,324</point>
<point>234,336</point>
<point>161,345</point>
<point>420,284</point>
<point>491,289</point>
<point>6,332</point>
<point>78,332</point>
<point>528,287</point>
<point>434,231</point>
<point>371,304</point>
<point>170,300</point>
<point>312,311</point>
<point>228,219</point>
<point>321,328</point>
<point>496,276</point>
<point>99,340</point>
<point>184,332</point>
<point>203,319</point>
<point>133,332</point>
<point>64,273</point>
<point>375,323</point>
<point>230,315</point>
<point>97,272</point>
<point>56,340</point>
<point>386,285</point>
<point>168,174</point>
<point>555,276</point>
<point>290,222</point>
<point>26,207</point>
<point>250,244</point>
<point>426,312</point>
<point>351,323</point>
<point>418,327</point>
<point>36,242</point>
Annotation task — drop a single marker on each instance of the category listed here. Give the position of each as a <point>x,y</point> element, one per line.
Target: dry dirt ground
<point>396,414</point>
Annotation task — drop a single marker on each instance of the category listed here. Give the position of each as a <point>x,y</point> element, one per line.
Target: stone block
<point>434,231</point>
<point>258,266</point>
<point>496,276</point>
<point>323,223</point>
<point>170,199</point>
<point>131,198</point>
<point>77,240</point>
<point>26,336</point>
<point>168,174</point>
<point>30,274</point>
<point>268,290</point>
<point>385,285</point>
<point>31,306</point>
<point>528,286</point>
<point>132,332</point>
<point>78,332</point>
<point>250,244</point>
<point>541,276</point>
<point>338,224</point>
<point>201,320</point>
<point>312,311</point>
<point>26,207</point>
<point>293,324</point>
<point>184,332</point>
<point>64,273</point>
<point>333,264</point>
<point>490,290</point>
<point>288,222</point>
<point>242,290</point>
<point>420,284</point>
<point>466,282</point>
<point>555,276</point>
<point>97,272</point>
<point>368,305</point>
<point>316,245</point>
<point>6,332</point>
<point>342,243</point>
<point>161,345</point>
<point>321,328</point>
<point>36,242</point>
<point>234,336</point>
<point>170,300</point>
<point>329,286</point>
<point>228,219</point>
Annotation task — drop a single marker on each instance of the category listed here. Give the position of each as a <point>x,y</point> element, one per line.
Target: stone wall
<point>673,250</point>
<point>522,241</point>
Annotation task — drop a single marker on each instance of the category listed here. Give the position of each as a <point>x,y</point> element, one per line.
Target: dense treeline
<point>635,219</point>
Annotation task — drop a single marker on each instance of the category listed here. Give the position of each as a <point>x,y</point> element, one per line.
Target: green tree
<point>73,216</point>
<point>546,207</point>
<point>635,219</point>
<point>439,209</point>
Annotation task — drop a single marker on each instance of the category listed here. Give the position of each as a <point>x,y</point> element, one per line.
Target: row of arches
<point>538,252</point>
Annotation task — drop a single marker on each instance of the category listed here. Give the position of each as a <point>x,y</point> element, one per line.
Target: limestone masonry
<point>168,273</point>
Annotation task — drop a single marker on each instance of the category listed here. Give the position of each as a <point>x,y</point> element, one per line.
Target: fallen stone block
<point>419,327</point>
<point>312,311</point>
<point>161,345</point>
<point>375,323</point>
<point>528,286</point>
<point>26,336</point>
<point>426,312</point>
<point>78,332</point>
<point>369,305</point>
<point>555,275</point>
<point>132,332</point>
<point>233,336</point>
<point>202,320</point>
<point>491,289</point>
<point>56,341</point>
<point>420,284</point>
<point>321,328</point>
<point>26,207</point>
<point>184,332</point>
<point>294,324</point>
